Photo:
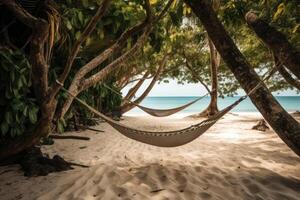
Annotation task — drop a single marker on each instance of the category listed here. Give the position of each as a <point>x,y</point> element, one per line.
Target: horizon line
<point>226,96</point>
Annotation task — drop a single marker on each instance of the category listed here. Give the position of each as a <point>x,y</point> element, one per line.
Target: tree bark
<point>45,96</point>
<point>137,79</point>
<point>282,123</point>
<point>99,76</point>
<point>41,129</point>
<point>126,107</point>
<point>214,65</point>
<point>75,50</point>
<point>124,79</point>
<point>135,88</point>
<point>277,42</point>
<point>80,83</point>
<point>212,108</point>
<point>40,83</point>
<point>95,62</point>
<point>286,75</point>
<point>195,75</point>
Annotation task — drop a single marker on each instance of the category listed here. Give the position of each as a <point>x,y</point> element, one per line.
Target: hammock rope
<point>168,138</point>
<point>160,112</point>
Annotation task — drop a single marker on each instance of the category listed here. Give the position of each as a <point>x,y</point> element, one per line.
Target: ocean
<point>290,103</point>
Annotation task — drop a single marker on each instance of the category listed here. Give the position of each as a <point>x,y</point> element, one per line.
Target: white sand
<point>230,161</point>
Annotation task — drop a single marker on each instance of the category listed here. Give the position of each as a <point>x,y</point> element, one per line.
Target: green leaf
<point>69,25</point>
<point>295,29</point>
<point>279,11</point>
<point>77,35</point>
<point>25,111</point>
<point>60,127</point>
<point>19,83</point>
<point>13,132</point>
<point>8,117</point>
<point>32,114</point>
<point>4,128</point>
<point>80,17</point>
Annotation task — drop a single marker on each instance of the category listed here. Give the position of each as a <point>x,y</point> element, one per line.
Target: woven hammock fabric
<point>164,138</point>
<point>169,138</point>
<point>166,112</point>
<point>160,112</point>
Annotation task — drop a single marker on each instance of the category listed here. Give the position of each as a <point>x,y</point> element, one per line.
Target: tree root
<point>204,114</point>
<point>72,137</point>
<point>296,113</point>
<point>34,163</point>
<point>261,126</point>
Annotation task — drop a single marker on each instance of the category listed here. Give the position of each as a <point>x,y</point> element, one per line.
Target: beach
<point>230,161</point>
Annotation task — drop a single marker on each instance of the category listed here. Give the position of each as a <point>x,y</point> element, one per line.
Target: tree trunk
<point>123,80</point>
<point>282,123</point>
<point>41,129</point>
<point>286,75</point>
<point>212,108</point>
<point>277,42</point>
<point>214,65</point>
<point>126,107</point>
<point>40,83</point>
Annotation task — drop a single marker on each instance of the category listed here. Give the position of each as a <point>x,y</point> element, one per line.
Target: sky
<point>174,89</point>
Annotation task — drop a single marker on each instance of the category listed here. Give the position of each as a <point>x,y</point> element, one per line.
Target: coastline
<point>230,161</point>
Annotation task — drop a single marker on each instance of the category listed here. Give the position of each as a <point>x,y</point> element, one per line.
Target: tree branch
<point>22,15</point>
<point>277,42</point>
<point>112,66</point>
<point>135,88</point>
<point>40,29</point>
<point>194,73</point>
<point>74,52</point>
<point>138,79</point>
<point>129,106</point>
<point>106,54</point>
<point>164,11</point>
<point>79,83</point>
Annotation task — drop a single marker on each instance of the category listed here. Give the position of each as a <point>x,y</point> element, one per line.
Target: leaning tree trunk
<point>283,124</point>
<point>126,107</point>
<point>277,42</point>
<point>286,75</point>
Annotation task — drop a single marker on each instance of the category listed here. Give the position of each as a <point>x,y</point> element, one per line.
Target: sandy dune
<point>230,161</point>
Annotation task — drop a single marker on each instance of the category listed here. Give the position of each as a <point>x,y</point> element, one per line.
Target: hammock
<point>164,138</point>
<point>160,112</point>
<point>168,138</point>
<point>166,112</point>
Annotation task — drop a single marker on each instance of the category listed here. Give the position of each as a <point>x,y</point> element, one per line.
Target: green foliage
<point>283,15</point>
<point>179,34</point>
<point>18,107</point>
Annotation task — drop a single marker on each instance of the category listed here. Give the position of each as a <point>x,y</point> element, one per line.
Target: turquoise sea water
<point>290,103</point>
